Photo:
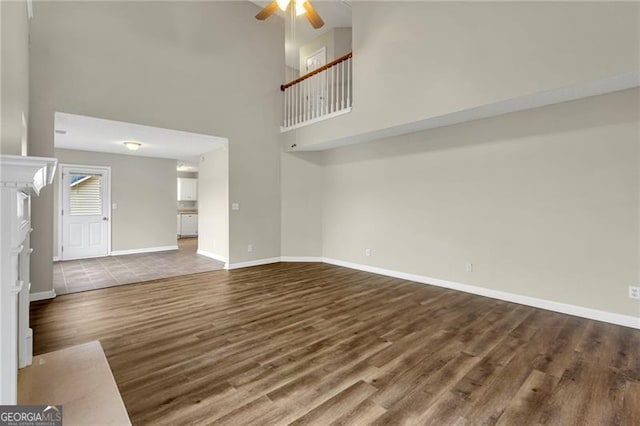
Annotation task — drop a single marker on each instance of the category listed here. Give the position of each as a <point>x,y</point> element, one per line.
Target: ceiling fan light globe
<point>300,10</point>
<point>282,4</point>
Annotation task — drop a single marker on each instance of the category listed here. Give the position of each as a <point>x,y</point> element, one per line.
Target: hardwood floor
<point>320,344</point>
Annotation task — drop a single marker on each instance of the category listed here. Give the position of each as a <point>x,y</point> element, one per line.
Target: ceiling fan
<point>302,7</point>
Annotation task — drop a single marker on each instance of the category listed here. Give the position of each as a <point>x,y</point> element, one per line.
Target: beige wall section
<point>144,190</point>
<point>14,75</point>
<point>213,203</point>
<point>418,60</point>
<point>301,204</point>
<point>544,203</point>
<point>179,71</point>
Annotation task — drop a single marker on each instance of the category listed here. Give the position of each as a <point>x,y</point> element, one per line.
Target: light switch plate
<point>235,206</point>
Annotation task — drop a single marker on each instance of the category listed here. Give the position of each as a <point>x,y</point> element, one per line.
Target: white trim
<point>42,295</point>
<point>143,250</point>
<point>300,259</point>
<point>56,259</point>
<point>212,255</point>
<point>61,202</point>
<point>580,311</point>
<point>252,263</point>
<point>21,172</point>
<point>30,9</point>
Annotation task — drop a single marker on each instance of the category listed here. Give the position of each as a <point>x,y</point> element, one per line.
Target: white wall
<point>213,201</point>
<point>418,60</point>
<point>544,203</point>
<point>144,190</point>
<point>14,75</point>
<point>204,67</point>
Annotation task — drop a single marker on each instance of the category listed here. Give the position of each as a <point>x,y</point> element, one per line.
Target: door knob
<point>105,218</point>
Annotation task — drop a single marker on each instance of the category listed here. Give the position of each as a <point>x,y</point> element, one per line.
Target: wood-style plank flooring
<point>320,344</point>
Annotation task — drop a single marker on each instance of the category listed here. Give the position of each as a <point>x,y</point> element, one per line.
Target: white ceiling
<point>99,135</point>
<point>334,13</point>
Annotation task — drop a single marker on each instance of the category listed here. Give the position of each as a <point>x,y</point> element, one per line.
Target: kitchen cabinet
<point>187,225</point>
<point>187,189</point>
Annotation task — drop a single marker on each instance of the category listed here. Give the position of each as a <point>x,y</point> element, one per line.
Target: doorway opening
<point>116,203</point>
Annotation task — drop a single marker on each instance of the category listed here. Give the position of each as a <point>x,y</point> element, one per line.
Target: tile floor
<point>73,276</point>
<point>82,383</point>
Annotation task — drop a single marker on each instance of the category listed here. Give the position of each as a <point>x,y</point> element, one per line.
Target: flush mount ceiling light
<point>132,145</point>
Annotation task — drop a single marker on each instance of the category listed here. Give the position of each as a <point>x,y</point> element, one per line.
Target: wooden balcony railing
<point>321,94</point>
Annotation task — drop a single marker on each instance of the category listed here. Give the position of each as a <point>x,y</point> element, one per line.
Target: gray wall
<point>205,67</point>
<point>14,83</point>
<point>302,197</point>
<point>544,203</point>
<point>213,203</point>
<point>418,60</point>
<point>144,190</point>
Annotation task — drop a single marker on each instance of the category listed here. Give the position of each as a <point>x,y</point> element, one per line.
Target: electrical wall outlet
<point>469,267</point>
<point>250,248</point>
<point>634,292</point>
<point>235,206</point>
<point>367,252</point>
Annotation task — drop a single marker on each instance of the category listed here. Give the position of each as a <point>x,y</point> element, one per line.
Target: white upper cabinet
<point>187,189</point>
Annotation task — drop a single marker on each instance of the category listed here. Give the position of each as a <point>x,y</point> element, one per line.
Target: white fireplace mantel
<point>20,178</point>
<point>26,172</point>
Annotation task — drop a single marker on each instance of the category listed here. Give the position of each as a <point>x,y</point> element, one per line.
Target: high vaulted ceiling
<point>334,13</point>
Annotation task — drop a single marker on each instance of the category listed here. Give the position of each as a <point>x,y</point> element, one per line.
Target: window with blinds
<point>85,195</point>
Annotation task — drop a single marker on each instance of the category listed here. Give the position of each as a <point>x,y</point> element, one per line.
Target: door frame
<point>107,170</point>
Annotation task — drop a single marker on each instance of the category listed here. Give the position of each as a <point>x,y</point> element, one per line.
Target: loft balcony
<point>321,94</point>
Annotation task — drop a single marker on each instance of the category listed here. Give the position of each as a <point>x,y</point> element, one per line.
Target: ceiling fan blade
<point>267,11</point>
<point>313,17</point>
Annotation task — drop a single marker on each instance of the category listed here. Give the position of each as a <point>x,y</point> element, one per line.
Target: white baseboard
<point>252,263</point>
<point>212,255</point>
<point>579,311</point>
<point>300,259</point>
<point>42,295</point>
<point>143,250</point>
<point>56,258</point>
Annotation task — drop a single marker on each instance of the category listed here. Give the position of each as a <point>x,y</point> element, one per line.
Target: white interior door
<point>317,97</point>
<point>85,212</point>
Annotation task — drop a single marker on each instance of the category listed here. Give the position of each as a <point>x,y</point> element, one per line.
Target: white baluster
<point>295,104</point>
<point>307,110</point>
<point>343,84</point>
<point>287,98</point>
<point>335,90</point>
<point>325,92</point>
<point>349,82</point>
<point>290,114</point>
<point>315,96</point>
<point>284,120</point>
<point>318,83</point>
<point>330,90</point>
